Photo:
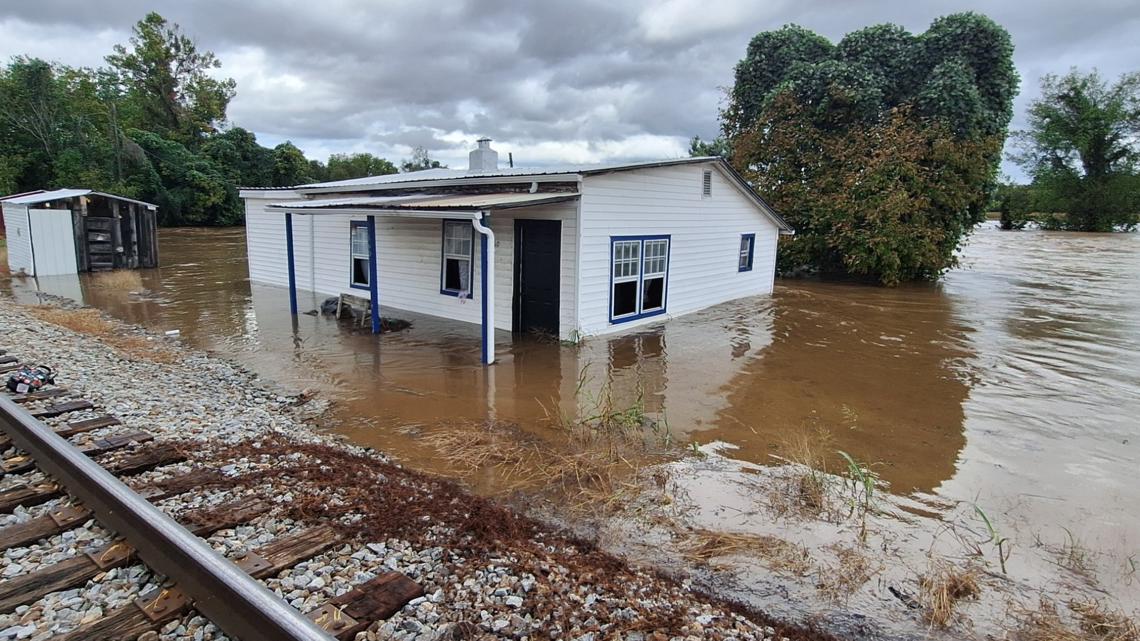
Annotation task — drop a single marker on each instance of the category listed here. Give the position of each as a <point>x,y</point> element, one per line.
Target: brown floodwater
<point>1013,383</point>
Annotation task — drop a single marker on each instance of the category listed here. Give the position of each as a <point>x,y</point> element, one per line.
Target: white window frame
<point>620,272</point>
<point>354,254</point>
<point>469,257</point>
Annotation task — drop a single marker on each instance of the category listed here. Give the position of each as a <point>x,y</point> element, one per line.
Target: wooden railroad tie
<point>23,462</point>
<point>39,395</point>
<point>77,570</point>
<point>153,610</point>
<point>72,428</point>
<point>139,461</point>
<point>63,408</point>
<point>347,615</point>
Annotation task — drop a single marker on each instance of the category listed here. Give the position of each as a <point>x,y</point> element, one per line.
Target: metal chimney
<point>483,158</point>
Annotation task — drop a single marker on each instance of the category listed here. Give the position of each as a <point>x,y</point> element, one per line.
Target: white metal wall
<point>19,245</point>
<point>705,239</point>
<point>53,241</point>
<point>409,257</point>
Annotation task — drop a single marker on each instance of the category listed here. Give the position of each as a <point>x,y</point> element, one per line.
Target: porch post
<point>487,273</point>
<point>373,277</point>
<point>292,268</point>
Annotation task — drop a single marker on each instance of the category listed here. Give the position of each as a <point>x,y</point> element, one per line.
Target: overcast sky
<point>552,82</point>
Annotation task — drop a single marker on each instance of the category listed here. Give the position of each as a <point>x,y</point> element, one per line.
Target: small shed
<point>78,230</point>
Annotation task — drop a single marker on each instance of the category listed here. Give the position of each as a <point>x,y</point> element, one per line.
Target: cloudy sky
<point>553,82</point>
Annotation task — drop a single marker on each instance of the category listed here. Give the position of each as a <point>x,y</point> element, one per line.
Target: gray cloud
<point>552,81</point>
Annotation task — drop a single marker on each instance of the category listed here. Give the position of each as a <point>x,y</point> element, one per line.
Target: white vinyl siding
<point>704,239</point>
<point>409,254</point>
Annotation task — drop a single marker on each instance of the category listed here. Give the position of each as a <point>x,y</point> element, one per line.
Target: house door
<point>538,251</point>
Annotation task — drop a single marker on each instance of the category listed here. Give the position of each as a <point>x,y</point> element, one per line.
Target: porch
<point>491,259</point>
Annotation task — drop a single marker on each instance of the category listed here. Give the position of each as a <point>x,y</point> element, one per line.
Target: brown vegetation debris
<point>943,587</point>
<point>854,568</point>
<point>93,323</point>
<point>127,280</point>
<point>777,554</point>
<point>1090,621</point>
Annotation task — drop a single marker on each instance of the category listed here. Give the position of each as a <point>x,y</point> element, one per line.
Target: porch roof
<point>432,205</point>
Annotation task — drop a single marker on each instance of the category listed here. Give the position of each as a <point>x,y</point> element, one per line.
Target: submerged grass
<point>943,588</point>
<point>93,323</point>
<point>1088,621</point>
<point>705,546</point>
<point>127,280</point>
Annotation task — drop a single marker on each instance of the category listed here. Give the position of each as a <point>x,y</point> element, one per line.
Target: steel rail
<point>236,602</point>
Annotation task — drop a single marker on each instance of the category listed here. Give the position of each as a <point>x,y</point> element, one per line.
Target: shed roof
<point>443,203</point>
<point>63,194</point>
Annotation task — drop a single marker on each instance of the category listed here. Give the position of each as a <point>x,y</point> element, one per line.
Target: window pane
<point>360,271</point>
<point>625,298</point>
<point>653,294</point>
<point>359,240</point>
<point>457,275</point>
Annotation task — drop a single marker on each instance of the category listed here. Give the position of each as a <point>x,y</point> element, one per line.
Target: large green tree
<point>955,83</point>
<point>1082,148</point>
<point>166,80</point>
<point>358,165</point>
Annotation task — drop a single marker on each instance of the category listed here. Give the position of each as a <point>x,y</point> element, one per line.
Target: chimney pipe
<point>483,158</point>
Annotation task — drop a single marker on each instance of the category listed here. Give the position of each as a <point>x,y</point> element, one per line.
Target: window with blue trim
<point>358,249</point>
<point>639,273</point>
<point>747,248</point>
<point>456,268</point>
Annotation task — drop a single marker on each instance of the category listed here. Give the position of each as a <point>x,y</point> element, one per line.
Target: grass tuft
<point>705,546</point>
<point>127,280</point>
<point>1089,621</point>
<point>943,587</point>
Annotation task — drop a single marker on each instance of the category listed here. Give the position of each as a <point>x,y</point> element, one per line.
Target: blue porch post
<point>292,269</point>
<point>373,277</point>
<point>488,331</point>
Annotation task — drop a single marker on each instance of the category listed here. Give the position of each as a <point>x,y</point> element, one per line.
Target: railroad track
<point>72,472</point>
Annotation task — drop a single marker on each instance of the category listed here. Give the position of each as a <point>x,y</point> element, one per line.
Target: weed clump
<point>92,322</point>
<point>943,588</point>
<point>1090,621</point>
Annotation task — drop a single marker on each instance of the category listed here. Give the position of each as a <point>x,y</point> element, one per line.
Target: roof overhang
<point>422,205</point>
<point>36,198</point>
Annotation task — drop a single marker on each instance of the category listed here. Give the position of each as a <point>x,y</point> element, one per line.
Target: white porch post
<point>487,265</point>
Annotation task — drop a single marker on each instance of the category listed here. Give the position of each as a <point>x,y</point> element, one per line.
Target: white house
<point>576,251</point>
<point>66,231</point>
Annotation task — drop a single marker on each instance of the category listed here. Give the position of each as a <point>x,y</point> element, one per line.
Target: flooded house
<point>567,252</point>
<point>67,231</point>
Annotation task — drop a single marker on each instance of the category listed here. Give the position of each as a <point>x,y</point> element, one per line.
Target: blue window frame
<point>359,273</point>
<point>639,276</point>
<point>456,268</point>
<point>747,248</point>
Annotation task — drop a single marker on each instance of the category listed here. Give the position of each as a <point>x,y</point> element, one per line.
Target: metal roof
<point>63,194</point>
<point>426,203</point>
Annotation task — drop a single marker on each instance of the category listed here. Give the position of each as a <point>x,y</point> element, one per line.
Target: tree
<point>955,86</point>
<point>888,202</point>
<point>420,161</point>
<point>359,165</point>
<point>716,147</point>
<point>290,167</point>
<point>167,79</point>
<point>237,153</point>
<point>1082,147</point>
<point>190,189</point>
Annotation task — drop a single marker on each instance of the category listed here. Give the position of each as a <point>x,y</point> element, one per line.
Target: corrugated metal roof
<point>63,194</point>
<point>426,202</point>
<point>48,196</point>
<point>513,172</point>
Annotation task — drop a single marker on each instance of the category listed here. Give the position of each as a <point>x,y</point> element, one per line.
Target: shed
<point>78,230</point>
<point>565,252</point>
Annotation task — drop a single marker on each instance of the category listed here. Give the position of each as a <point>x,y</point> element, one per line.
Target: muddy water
<point>1015,382</point>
